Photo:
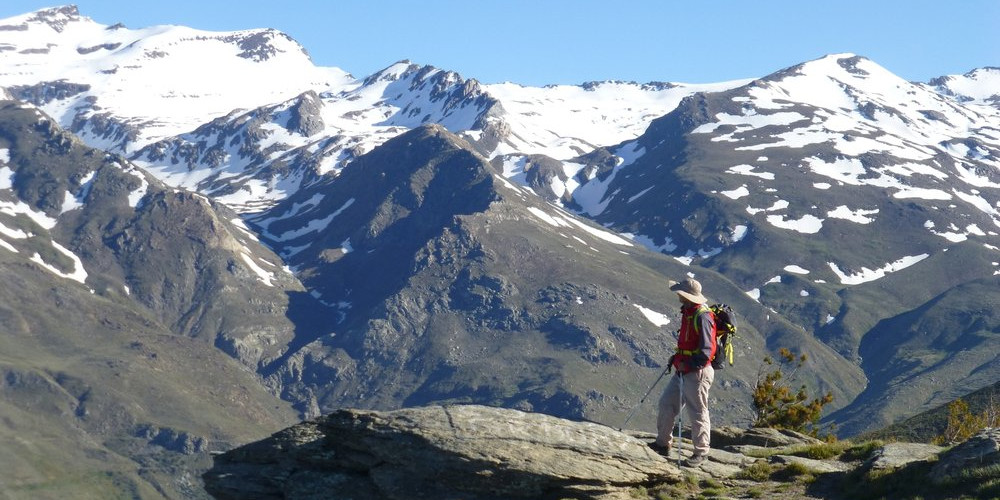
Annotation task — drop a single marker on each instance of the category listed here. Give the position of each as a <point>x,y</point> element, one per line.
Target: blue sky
<point>540,42</point>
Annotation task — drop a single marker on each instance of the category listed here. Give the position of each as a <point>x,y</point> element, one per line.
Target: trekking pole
<point>680,413</point>
<point>643,400</point>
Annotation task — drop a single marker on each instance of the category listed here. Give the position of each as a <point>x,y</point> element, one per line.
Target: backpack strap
<point>697,315</point>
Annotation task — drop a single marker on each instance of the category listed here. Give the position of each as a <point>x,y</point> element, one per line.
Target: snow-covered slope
<point>252,159</point>
<point>981,86</point>
<point>183,94</point>
<point>158,82</point>
<point>566,121</point>
<point>930,147</point>
<point>833,126</point>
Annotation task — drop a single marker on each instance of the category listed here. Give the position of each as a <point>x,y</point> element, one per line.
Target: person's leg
<point>668,408</point>
<point>696,399</point>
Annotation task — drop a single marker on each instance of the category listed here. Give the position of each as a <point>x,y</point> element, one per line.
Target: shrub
<point>758,471</point>
<point>963,424</point>
<point>639,492</point>
<point>793,472</point>
<point>777,405</point>
<point>820,451</point>
<point>861,451</point>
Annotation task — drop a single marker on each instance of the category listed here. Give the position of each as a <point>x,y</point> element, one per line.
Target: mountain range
<point>207,237</point>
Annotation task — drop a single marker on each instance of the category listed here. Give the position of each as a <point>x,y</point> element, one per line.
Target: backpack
<point>725,330</point>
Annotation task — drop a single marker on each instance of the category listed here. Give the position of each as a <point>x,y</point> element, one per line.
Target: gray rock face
<point>759,436</point>
<point>305,115</point>
<point>982,450</point>
<point>480,452</point>
<point>896,455</point>
<point>441,452</point>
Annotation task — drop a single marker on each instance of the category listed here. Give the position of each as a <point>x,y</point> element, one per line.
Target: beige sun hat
<point>689,289</point>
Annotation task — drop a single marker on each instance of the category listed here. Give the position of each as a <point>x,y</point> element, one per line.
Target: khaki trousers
<point>696,386</point>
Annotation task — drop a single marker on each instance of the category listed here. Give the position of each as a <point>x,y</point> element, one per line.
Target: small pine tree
<point>777,405</point>
<point>963,424</point>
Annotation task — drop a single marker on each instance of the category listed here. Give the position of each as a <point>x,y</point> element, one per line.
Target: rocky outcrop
<point>441,452</point>
<point>764,437</point>
<point>480,452</point>
<point>306,117</point>
<point>982,450</point>
<point>896,455</point>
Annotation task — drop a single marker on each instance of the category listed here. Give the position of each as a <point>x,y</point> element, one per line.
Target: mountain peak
<point>55,17</point>
<point>979,86</point>
<point>393,72</point>
<point>834,66</point>
<point>263,44</point>
<point>405,69</point>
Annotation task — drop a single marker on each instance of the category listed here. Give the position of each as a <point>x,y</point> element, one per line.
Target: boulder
<point>982,450</point>
<point>440,452</point>
<point>726,437</point>
<point>896,455</point>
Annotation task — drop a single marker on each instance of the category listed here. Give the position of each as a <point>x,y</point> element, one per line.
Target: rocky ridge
<point>480,452</point>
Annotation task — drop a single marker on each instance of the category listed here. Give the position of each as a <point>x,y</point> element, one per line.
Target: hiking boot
<point>660,449</point>
<point>694,461</point>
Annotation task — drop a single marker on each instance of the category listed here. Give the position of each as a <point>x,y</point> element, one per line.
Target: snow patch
<point>263,275</point>
<point>654,317</point>
<point>644,191</point>
<point>73,201</point>
<point>796,269</point>
<point>16,234</point>
<point>749,170</point>
<point>807,224</point>
<point>736,193</point>
<point>667,247</point>
<point>6,177</point>
<point>314,225</point>
<point>569,221</point>
<point>739,232</point>
<point>778,205</point>
<point>8,246</point>
<point>19,207</point>
<point>860,215</point>
<point>866,275</point>
<point>78,274</point>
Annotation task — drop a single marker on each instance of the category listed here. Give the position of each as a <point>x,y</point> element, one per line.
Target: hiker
<point>694,374</point>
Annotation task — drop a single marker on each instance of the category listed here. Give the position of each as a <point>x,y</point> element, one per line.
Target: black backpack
<point>725,330</point>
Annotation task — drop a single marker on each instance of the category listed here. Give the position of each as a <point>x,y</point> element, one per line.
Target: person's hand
<point>699,360</point>
<point>683,365</point>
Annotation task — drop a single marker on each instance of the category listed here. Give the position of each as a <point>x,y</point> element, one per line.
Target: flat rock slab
<point>765,437</point>
<point>896,455</point>
<point>440,452</point>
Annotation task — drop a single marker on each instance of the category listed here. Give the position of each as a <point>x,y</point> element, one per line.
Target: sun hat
<point>689,289</point>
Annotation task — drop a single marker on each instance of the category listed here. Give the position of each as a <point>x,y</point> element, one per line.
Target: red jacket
<point>697,336</point>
